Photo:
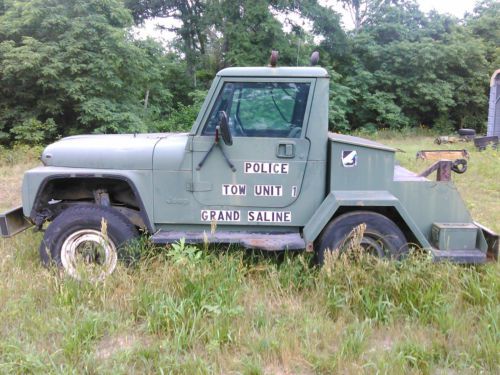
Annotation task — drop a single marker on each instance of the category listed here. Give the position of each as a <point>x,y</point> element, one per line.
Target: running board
<point>263,241</point>
<point>459,256</point>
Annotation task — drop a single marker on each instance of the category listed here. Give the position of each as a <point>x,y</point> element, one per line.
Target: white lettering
<point>269,216</point>
<point>220,215</point>
<point>268,190</point>
<point>253,167</point>
<point>234,189</point>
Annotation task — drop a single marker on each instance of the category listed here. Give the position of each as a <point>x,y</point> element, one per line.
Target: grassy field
<point>195,310</point>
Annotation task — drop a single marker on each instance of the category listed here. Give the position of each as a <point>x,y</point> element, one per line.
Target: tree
<point>360,10</point>
<point>484,24</point>
<point>73,62</point>
<point>192,32</point>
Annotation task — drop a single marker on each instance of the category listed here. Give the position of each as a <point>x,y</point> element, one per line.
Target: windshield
<point>261,109</point>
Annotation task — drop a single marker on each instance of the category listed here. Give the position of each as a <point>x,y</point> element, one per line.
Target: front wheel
<point>79,242</point>
<point>382,237</point>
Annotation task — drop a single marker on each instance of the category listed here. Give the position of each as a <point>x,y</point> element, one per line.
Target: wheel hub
<point>89,253</point>
<point>372,246</point>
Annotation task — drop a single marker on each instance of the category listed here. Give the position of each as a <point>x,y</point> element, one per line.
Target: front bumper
<point>13,222</point>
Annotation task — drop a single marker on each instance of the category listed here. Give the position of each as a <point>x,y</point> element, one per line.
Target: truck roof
<point>298,71</point>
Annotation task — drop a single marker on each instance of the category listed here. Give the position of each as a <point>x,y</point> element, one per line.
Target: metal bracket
<point>443,168</point>
<point>101,197</point>
<point>13,222</point>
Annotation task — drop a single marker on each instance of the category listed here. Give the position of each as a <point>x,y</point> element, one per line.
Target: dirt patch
<point>275,369</point>
<point>10,184</point>
<point>383,340</point>
<point>111,345</point>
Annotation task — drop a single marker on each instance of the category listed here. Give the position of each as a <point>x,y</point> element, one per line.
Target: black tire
<point>459,166</point>
<point>381,235</point>
<point>82,218</point>
<point>469,132</point>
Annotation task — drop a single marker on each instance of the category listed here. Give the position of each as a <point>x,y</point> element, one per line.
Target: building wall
<point>494,107</point>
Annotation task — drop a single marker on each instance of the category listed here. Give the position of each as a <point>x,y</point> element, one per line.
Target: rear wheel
<point>382,237</point>
<point>76,241</point>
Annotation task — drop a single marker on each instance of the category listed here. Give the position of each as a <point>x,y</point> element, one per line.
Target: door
<point>269,151</point>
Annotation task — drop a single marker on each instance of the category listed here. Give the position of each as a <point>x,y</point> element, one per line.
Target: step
<point>475,256</point>
<point>263,241</point>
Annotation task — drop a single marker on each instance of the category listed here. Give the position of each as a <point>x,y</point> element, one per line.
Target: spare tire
<point>470,132</point>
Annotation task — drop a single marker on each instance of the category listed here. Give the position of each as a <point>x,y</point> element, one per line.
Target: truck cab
<point>274,172</point>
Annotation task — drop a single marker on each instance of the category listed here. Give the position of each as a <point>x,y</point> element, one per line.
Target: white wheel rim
<point>84,244</point>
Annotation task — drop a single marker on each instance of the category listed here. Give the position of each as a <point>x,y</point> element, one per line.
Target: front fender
<point>141,182</point>
<point>337,199</point>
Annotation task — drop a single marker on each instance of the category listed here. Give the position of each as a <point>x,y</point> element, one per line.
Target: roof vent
<point>274,58</point>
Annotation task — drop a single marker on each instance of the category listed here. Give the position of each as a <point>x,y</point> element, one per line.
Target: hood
<point>117,151</point>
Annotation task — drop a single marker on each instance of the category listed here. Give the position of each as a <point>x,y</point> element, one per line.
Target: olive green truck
<point>259,169</point>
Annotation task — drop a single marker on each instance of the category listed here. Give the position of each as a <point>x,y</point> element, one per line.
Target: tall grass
<point>204,310</point>
<point>196,311</point>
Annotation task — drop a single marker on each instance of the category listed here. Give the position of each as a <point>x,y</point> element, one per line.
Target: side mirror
<point>225,132</point>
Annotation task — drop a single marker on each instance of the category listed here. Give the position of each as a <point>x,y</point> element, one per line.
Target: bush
<point>184,116</point>
<point>33,132</point>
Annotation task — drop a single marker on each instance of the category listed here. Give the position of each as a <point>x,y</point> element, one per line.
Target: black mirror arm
<point>231,165</point>
<point>216,143</point>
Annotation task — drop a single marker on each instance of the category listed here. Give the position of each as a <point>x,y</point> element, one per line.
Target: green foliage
<point>75,64</point>
<point>340,104</point>
<point>182,254</point>
<point>33,132</point>
<point>443,124</point>
<point>182,118</point>
<point>484,24</point>
<point>407,68</point>
<point>74,67</point>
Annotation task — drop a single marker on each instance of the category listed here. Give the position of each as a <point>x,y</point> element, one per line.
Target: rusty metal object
<point>248,240</point>
<point>101,197</point>
<point>482,142</point>
<point>443,168</point>
<point>273,61</point>
<point>446,139</point>
<point>493,241</point>
<point>442,154</point>
<point>310,247</point>
<point>453,139</point>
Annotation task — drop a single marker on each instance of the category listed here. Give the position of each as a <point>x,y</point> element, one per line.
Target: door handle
<point>285,150</point>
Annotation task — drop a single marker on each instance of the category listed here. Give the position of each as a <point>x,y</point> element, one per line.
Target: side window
<point>261,109</point>
<point>222,103</point>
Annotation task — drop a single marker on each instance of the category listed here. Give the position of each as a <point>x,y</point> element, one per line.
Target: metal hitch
<point>444,168</point>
